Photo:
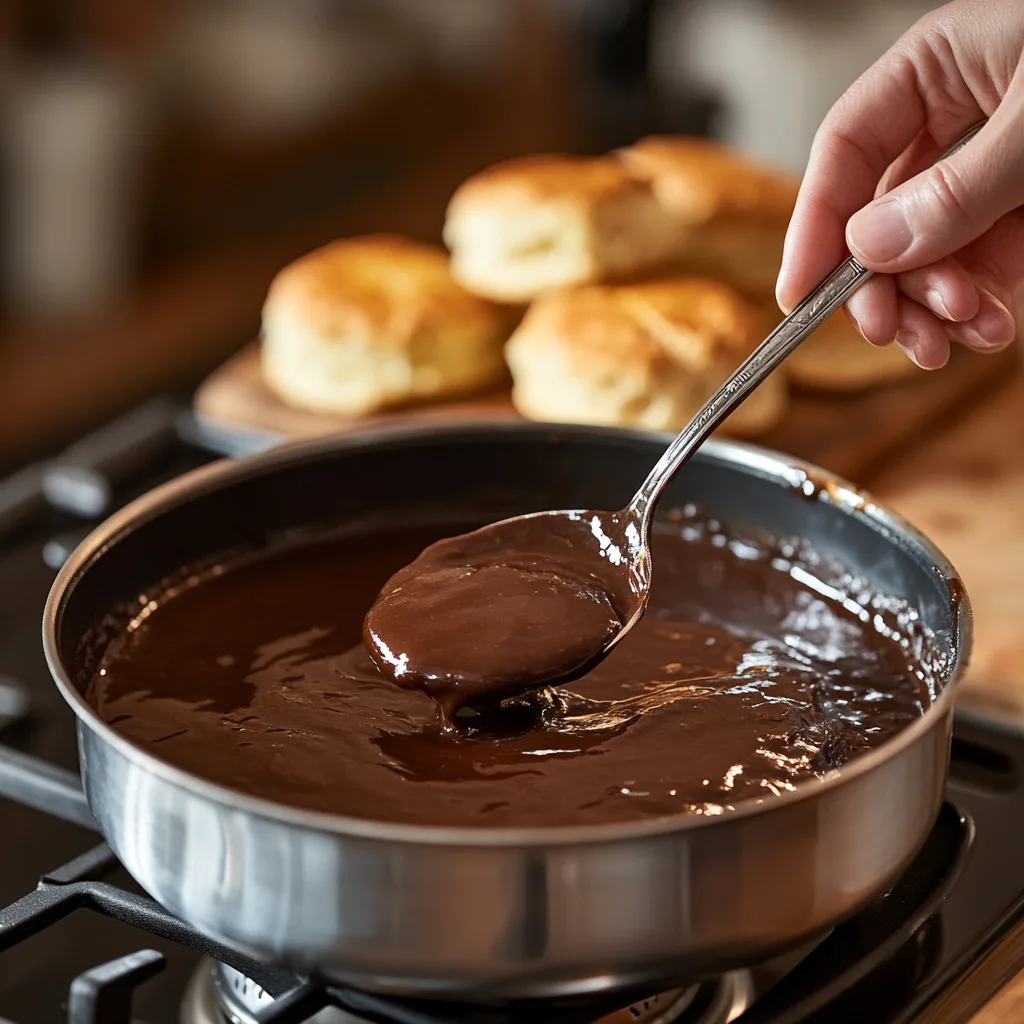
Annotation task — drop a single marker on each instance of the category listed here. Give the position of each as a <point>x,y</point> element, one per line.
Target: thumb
<point>947,206</point>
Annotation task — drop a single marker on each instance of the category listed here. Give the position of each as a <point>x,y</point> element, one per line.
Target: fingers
<point>964,307</point>
<point>996,262</point>
<point>921,335</point>
<point>991,330</point>
<point>969,297</point>
<point>815,245</point>
<point>948,205</point>
<point>847,160</point>
<point>874,310</point>
<point>922,332</point>
<point>946,288</point>
<point>909,319</point>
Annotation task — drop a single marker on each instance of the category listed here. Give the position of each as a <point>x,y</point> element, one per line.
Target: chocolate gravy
<point>501,610</point>
<point>740,682</point>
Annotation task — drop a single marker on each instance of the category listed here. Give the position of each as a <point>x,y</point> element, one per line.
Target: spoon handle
<point>799,325</point>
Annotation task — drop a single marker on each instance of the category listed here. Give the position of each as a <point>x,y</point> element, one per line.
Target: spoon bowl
<point>530,601</point>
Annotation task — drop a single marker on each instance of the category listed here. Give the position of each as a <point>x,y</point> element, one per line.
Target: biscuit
<point>537,224</point>
<point>734,212</point>
<point>836,358</point>
<point>371,322</point>
<point>642,355</point>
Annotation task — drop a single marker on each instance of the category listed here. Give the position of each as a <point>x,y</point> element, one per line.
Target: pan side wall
<point>533,920</point>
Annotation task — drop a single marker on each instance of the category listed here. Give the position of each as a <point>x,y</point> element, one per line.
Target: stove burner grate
<point>218,994</point>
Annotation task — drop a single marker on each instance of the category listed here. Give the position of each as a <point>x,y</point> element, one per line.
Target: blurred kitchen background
<point>159,161</point>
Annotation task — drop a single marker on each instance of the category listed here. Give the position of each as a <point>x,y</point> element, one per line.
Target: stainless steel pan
<point>501,913</point>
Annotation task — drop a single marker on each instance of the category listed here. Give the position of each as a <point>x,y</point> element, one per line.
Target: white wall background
<point>779,65</point>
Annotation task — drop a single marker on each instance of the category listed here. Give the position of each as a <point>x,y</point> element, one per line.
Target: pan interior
<point>356,488</point>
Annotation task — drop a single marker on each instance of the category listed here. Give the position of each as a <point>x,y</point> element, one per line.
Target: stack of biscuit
<point>734,216</point>
<point>618,331</point>
<point>369,323</point>
<point>734,213</point>
<point>646,354</point>
<point>538,224</point>
<point>646,277</point>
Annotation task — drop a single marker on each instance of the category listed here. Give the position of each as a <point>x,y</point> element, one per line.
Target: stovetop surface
<point>933,950</point>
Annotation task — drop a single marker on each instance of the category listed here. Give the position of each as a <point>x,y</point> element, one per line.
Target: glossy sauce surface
<point>740,682</point>
<point>504,609</point>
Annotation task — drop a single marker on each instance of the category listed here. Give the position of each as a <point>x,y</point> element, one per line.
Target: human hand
<point>946,241</point>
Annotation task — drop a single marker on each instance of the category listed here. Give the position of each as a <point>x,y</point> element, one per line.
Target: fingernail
<point>917,348</point>
<point>922,360</point>
<point>908,341</point>
<point>856,323</point>
<point>937,304</point>
<point>993,327</point>
<point>780,290</point>
<point>880,232</point>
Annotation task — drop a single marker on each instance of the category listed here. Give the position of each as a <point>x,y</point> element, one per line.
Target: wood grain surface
<point>1006,1008</point>
<point>235,397</point>
<point>852,435</point>
<point>965,489</point>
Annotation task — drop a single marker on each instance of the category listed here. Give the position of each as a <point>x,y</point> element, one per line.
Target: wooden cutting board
<point>965,490</point>
<point>235,398</point>
<point>853,435</point>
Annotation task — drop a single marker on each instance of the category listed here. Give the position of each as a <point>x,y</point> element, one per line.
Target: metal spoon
<point>610,550</point>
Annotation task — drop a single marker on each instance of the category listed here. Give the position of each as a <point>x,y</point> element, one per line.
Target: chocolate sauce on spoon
<point>488,614</point>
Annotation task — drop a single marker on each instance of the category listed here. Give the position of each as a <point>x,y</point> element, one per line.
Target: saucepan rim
<point>768,465</point>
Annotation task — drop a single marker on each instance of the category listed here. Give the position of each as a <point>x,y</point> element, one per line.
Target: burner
<point>218,994</point>
<point>711,1002</point>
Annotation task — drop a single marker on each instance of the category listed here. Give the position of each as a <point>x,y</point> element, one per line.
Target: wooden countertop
<point>1006,1008</point>
<point>965,490</point>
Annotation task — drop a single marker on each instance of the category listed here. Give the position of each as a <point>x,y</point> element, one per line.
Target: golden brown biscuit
<point>735,212</point>
<point>837,358</point>
<point>536,224</point>
<point>644,355</point>
<point>366,323</point>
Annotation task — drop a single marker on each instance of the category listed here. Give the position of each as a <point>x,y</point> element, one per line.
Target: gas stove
<point>80,942</point>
